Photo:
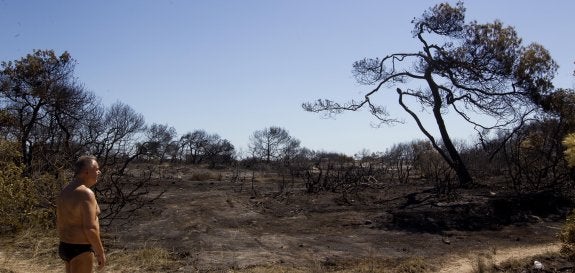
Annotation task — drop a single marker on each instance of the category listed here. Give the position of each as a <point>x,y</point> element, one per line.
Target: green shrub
<point>18,197</point>
<point>568,232</point>
<point>569,143</point>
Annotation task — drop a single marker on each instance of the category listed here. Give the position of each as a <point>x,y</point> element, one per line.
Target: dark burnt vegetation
<point>520,176</point>
<point>414,190</point>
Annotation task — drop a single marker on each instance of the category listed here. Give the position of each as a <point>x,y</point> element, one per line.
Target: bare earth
<point>216,225</point>
<point>213,226</point>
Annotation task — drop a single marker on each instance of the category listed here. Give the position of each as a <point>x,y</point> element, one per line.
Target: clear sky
<point>233,67</point>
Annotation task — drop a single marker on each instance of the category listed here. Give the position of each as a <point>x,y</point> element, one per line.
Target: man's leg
<point>82,263</point>
<point>68,267</point>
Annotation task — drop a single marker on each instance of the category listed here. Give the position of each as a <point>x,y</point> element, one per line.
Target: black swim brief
<point>68,251</point>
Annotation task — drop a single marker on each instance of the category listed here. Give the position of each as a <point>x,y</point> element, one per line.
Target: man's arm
<point>92,226</point>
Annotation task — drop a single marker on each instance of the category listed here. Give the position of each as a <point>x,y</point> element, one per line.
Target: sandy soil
<point>465,263</point>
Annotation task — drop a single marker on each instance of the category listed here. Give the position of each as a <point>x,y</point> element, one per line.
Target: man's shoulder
<point>81,192</point>
<point>84,192</point>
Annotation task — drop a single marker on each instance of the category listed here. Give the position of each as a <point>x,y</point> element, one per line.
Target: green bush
<point>569,143</point>
<point>18,197</point>
<point>568,232</point>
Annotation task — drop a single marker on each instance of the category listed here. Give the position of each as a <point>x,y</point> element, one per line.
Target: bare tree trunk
<point>456,162</point>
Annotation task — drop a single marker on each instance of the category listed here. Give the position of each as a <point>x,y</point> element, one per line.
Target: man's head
<point>87,169</point>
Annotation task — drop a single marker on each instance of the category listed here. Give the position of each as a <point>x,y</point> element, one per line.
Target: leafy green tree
<point>46,106</point>
<point>470,69</point>
<point>7,123</point>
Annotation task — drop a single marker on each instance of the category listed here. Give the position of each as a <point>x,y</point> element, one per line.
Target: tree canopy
<point>43,102</point>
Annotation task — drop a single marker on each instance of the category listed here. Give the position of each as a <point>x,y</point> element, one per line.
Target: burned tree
<point>159,141</point>
<point>273,144</point>
<point>470,69</point>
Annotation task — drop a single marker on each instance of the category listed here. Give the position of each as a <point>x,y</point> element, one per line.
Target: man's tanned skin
<point>77,217</point>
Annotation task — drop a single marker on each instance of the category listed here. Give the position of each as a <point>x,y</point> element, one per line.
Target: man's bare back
<point>77,219</point>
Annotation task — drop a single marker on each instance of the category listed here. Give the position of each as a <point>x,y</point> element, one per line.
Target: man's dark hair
<point>83,162</point>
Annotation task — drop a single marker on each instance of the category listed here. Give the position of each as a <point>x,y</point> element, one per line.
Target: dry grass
<point>146,259</point>
<point>484,263</point>
<point>35,250</point>
<point>30,250</point>
<point>269,269</point>
<point>567,234</point>
<point>513,265</point>
<point>205,176</point>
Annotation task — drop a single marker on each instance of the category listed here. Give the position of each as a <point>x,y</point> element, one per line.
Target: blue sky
<point>234,67</point>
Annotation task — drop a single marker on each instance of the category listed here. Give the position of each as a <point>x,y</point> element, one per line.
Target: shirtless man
<point>77,219</point>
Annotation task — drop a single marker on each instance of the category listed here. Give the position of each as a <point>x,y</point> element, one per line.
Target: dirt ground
<point>214,225</point>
